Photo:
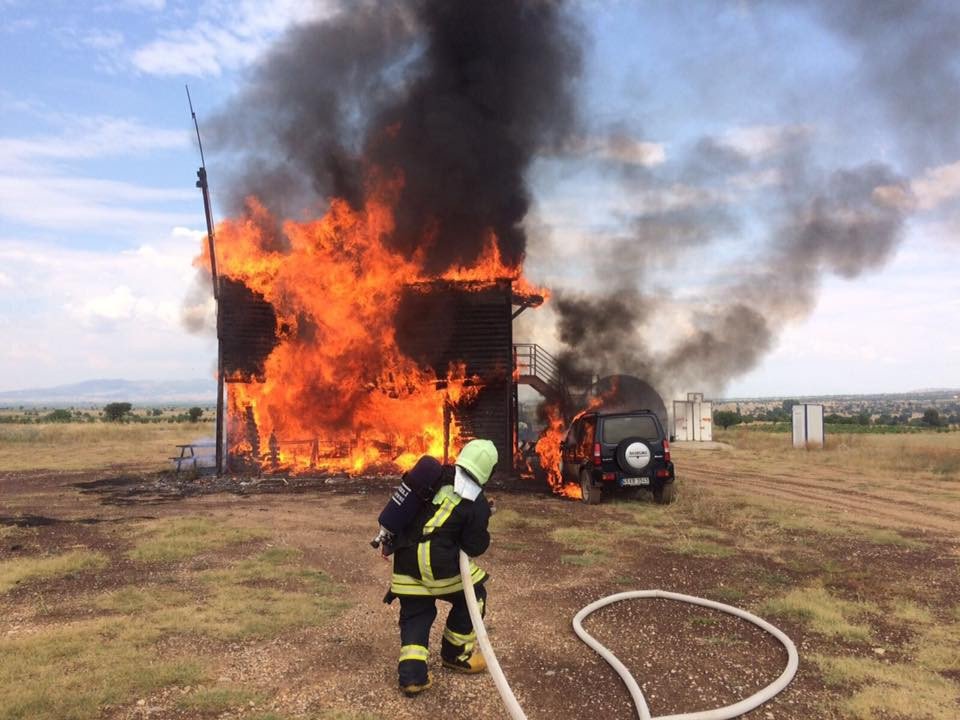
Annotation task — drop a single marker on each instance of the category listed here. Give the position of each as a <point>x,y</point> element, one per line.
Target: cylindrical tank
<point>626,392</point>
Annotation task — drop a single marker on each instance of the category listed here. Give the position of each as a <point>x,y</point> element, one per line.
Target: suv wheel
<point>591,494</point>
<point>665,494</point>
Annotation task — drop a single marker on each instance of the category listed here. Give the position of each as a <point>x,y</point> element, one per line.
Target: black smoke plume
<point>458,96</point>
<point>844,222</point>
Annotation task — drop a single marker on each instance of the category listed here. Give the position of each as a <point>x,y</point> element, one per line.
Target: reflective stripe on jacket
<point>426,558</point>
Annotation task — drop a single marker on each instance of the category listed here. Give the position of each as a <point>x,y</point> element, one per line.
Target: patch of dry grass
<point>696,547</point>
<point>180,538</point>
<point>591,545</point>
<point>75,670</point>
<point>216,699</point>
<point>89,446</point>
<point>938,647</point>
<point>890,689</point>
<point>910,612</point>
<point>508,519</point>
<point>931,455</point>
<point>587,559</point>
<point>824,613</point>
<point>20,570</point>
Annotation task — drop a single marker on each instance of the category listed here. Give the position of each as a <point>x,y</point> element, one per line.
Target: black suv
<point>611,451</point>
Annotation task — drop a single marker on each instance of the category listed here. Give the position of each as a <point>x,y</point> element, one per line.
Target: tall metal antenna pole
<point>211,245</point>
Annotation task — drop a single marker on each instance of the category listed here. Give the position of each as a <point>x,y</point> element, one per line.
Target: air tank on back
<point>626,392</point>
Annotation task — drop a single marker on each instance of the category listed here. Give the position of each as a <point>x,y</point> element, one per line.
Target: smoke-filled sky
<point>738,197</point>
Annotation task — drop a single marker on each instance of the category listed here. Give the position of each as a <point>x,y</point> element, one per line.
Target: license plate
<point>630,481</point>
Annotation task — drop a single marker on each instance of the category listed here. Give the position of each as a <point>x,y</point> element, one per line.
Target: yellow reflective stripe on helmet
<point>459,638</point>
<point>414,652</point>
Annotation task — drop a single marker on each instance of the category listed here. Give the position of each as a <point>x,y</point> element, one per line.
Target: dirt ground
<point>881,557</point>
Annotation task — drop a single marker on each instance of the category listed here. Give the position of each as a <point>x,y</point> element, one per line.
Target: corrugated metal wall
<point>440,323</point>
<point>248,331</point>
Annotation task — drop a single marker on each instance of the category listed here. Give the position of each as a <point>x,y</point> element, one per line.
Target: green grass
<point>885,689</point>
<point>909,612</point>
<point>580,537</point>
<point>256,597</point>
<point>824,613</point>
<point>141,600</point>
<point>700,548</point>
<point>591,546</point>
<point>74,670</point>
<point>216,699</point>
<point>587,559</point>
<point>507,519</point>
<point>728,595</point>
<point>180,538</point>
<point>71,672</point>
<point>937,648</point>
<point>22,570</point>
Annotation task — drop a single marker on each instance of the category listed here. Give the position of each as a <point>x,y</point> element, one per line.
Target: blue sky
<point>100,220</point>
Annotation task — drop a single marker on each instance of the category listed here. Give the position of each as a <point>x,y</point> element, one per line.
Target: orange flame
<point>548,449</point>
<point>548,446</point>
<point>338,394</point>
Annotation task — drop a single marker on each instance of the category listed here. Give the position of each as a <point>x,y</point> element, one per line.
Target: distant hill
<point>98,392</point>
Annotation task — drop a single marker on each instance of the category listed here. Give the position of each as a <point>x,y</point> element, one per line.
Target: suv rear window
<point>616,429</point>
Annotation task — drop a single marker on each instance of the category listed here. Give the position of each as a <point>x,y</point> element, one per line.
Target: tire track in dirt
<point>916,516</point>
<point>880,492</point>
<point>900,499</point>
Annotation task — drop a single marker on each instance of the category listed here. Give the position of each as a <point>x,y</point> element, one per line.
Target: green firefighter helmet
<point>478,458</point>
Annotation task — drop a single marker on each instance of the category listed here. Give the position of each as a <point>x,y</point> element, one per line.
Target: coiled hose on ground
<point>643,712</point>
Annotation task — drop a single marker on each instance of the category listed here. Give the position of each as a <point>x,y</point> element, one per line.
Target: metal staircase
<point>538,369</point>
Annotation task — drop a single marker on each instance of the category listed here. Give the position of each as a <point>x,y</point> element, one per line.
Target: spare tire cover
<point>633,455</point>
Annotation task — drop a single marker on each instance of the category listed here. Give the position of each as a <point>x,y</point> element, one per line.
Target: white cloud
<point>224,36</point>
<point>78,314</point>
<point>85,137</point>
<point>38,187</point>
<point>759,141</point>
<point>83,204</point>
<point>618,148</point>
<point>937,185</point>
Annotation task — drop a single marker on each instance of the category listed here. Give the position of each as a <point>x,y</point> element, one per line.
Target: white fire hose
<point>643,712</point>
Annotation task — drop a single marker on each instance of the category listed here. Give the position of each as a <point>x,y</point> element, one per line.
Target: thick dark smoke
<point>813,220</point>
<point>458,96</point>
<point>602,334</point>
<point>845,222</point>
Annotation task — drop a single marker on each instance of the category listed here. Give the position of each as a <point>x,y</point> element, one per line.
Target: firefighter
<point>426,569</point>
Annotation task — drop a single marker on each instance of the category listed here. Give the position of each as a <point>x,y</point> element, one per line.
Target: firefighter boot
<point>471,665</point>
<point>412,670</point>
<point>416,688</point>
<point>457,652</point>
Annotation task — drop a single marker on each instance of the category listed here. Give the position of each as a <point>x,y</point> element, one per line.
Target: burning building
<point>381,328</point>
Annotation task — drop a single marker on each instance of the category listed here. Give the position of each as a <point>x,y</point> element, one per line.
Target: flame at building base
<point>336,393</point>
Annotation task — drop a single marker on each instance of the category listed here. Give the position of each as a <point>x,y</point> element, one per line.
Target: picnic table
<point>188,454</point>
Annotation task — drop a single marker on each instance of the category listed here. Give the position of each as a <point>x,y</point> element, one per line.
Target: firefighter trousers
<point>417,614</point>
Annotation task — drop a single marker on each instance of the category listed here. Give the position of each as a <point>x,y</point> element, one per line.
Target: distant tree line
<point>931,418</point>
<point>115,412</point>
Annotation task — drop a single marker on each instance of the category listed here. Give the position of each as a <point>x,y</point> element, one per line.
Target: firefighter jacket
<point>426,556</point>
